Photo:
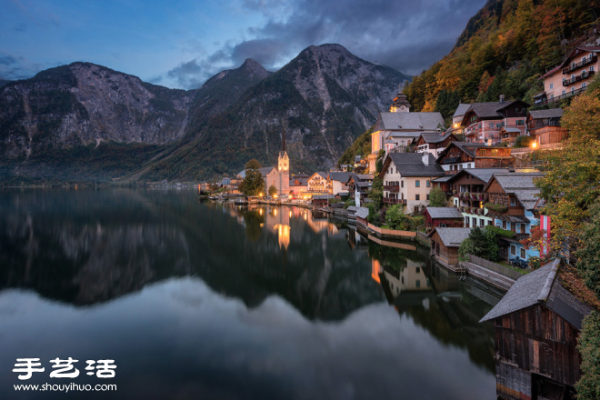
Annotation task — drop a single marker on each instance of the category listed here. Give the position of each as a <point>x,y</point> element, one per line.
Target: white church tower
<point>283,167</point>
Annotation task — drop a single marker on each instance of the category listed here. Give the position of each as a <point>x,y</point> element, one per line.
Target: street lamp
<point>533,146</point>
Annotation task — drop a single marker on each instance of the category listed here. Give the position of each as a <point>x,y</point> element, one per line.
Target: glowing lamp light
<point>534,145</point>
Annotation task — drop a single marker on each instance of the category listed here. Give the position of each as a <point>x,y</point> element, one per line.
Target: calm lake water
<point>208,301</point>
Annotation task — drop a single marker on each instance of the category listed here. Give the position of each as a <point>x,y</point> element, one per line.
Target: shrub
<point>437,197</point>
<point>501,232</point>
<point>496,207</point>
<point>523,141</point>
<point>349,203</point>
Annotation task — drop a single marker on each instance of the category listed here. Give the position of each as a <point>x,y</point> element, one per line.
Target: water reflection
<point>242,302</point>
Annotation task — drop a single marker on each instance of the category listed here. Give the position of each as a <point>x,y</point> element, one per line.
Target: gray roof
<point>323,197</point>
<point>363,184</point>
<point>542,114</point>
<point>541,286</point>
<point>453,237</point>
<point>461,110</point>
<point>301,181</point>
<point>415,121</point>
<point>512,130</point>
<point>362,212</point>
<point>411,164</point>
<point>444,212</point>
<point>405,134</point>
<point>352,209</point>
<point>521,185</point>
<point>444,178</point>
<point>435,137</point>
<point>266,170</point>
<point>339,176</point>
<point>490,109</point>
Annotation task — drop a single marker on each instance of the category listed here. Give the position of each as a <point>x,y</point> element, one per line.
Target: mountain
<point>504,49</point>
<point>3,82</point>
<point>86,122</point>
<point>325,96</point>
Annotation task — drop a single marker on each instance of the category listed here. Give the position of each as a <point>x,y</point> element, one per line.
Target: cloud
<point>188,75</point>
<point>404,34</point>
<point>13,68</point>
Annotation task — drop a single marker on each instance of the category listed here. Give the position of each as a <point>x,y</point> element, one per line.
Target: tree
<point>589,252</point>
<point>395,218</point>
<point>253,183</point>
<point>570,185</point>
<point>523,141</point>
<point>437,197</point>
<point>272,190</point>
<point>481,243</point>
<point>588,387</point>
<point>376,192</point>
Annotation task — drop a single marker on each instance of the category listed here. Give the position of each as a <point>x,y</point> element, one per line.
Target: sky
<point>181,43</point>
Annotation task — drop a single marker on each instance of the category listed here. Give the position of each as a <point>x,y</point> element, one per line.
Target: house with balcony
<point>407,179</point>
<point>317,183</point>
<point>570,77</point>
<point>482,122</point>
<point>434,142</point>
<point>467,191</point>
<point>544,127</point>
<point>399,127</point>
<point>359,186</point>
<point>462,155</point>
<point>299,184</point>
<point>511,202</point>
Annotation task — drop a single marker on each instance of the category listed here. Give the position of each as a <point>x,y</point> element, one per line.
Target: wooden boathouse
<point>536,327</point>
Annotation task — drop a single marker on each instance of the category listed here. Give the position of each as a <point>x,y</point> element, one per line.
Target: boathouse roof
<point>362,212</point>
<point>444,212</point>
<point>541,287</point>
<point>452,237</point>
<point>543,114</point>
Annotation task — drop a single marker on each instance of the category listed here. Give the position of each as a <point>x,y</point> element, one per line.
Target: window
<point>481,223</point>
<point>552,86</point>
<point>503,224</point>
<point>513,250</point>
<point>401,183</point>
<point>474,222</point>
<point>564,91</point>
<point>583,84</point>
<point>489,222</point>
<point>523,255</point>
<point>417,183</point>
<point>418,270</point>
<point>466,222</point>
<point>418,283</point>
<point>591,68</point>
<point>572,89</point>
<point>428,183</point>
<point>427,197</point>
<point>417,197</point>
<point>513,202</point>
<point>520,122</point>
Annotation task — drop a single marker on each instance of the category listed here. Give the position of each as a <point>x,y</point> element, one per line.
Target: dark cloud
<point>407,35</point>
<point>13,68</point>
<point>188,75</point>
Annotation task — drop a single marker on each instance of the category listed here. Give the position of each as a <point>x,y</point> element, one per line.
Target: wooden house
<point>482,122</point>
<point>322,201</point>
<point>461,155</point>
<point>434,142</point>
<point>361,216</point>
<point>536,327</point>
<point>443,217</point>
<point>445,243</point>
<point>544,127</point>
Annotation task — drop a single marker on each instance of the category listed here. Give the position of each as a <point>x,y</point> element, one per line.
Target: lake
<point>206,300</point>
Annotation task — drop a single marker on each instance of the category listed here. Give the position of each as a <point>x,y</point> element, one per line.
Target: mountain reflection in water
<point>218,300</point>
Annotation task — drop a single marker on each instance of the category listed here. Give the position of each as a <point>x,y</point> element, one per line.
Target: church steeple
<point>400,103</point>
<point>284,161</point>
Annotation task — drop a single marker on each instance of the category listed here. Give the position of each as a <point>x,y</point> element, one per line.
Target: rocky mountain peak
<point>255,68</point>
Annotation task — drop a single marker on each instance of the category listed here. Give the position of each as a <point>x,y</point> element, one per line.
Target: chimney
<point>426,158</point>
<point>501,99</point>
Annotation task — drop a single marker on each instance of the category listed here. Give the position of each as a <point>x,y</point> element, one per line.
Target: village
<point>468,192</point>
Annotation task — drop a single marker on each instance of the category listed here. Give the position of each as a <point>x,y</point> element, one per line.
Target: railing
<point>394,201</point>
<point>575,79</point>
<point>562,96</point>
<point>502,270</point>
<point>392,188</point>
<point>573,67</point>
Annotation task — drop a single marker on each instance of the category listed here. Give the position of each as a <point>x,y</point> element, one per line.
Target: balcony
<point>391,188</point>
<point>575,79</point>
<point>394,201</point>
<point>551,100</point>
<point>582,64</point>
